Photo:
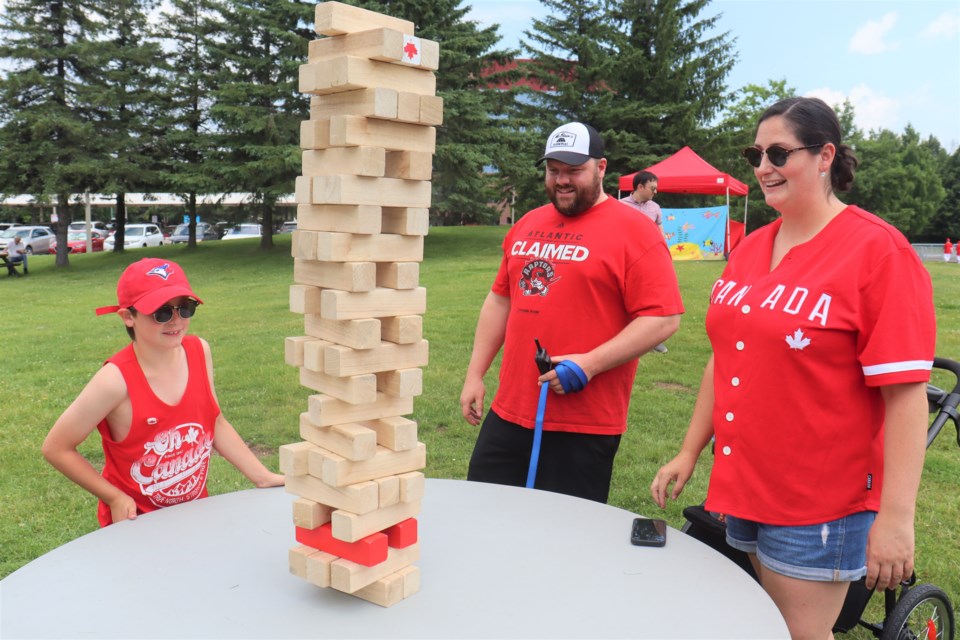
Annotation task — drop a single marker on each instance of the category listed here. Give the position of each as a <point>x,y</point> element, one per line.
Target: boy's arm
<point>105,391</point>
<point>231,446</point>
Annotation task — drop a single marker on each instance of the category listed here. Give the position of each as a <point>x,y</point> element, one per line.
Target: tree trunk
<point>266,216</point>
<point>60,229</point>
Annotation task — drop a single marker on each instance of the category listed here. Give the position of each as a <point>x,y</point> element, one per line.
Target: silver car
<point>34,239</point>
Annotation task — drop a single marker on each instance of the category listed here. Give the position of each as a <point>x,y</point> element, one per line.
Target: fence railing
<point>933,252</point>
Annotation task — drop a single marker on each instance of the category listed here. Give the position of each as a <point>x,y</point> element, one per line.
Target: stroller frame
<point>935,620</point>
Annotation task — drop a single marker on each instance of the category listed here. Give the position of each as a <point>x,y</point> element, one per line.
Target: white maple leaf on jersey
<point>798,340</point>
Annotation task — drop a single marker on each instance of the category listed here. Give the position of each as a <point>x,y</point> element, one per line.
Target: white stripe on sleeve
<point>897,367</point>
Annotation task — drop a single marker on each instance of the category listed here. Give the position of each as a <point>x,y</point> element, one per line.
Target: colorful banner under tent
<point>687,172</point>
<point>696,234</point>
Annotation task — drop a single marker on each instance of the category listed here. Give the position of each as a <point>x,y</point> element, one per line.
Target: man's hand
<point>471,401</point>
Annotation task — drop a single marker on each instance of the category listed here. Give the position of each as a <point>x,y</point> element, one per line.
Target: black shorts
<point>576,464</point>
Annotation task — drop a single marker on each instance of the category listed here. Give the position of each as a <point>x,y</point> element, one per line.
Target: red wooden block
<point>366,551</point>
<point>403,534</point>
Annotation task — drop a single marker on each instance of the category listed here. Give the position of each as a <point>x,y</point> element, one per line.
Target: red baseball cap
<point>148,284</point>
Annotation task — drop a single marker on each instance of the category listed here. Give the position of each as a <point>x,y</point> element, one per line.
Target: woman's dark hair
<point>130,331</point>
<point>814,122</point>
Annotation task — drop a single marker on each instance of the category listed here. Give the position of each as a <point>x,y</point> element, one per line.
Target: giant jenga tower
<point>362,214</point>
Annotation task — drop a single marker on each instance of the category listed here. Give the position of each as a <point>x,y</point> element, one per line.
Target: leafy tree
<point>736,130</point>
<point>191,73</point>
<point>50,141</point>
<point>257,106</point>
<point>946,221</point>
<point>898,180</point>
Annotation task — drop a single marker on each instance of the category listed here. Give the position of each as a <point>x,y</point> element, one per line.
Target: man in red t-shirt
<point>595,284</point>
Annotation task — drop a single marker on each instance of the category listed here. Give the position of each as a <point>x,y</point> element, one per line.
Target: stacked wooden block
<point>362,214</point>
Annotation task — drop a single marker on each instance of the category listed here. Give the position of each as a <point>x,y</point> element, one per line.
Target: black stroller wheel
<point>923,612</point>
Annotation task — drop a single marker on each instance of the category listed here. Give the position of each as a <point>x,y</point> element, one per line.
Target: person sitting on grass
<point>154,404</point>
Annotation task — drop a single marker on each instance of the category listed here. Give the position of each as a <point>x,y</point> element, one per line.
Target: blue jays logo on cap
<point>164,271</point>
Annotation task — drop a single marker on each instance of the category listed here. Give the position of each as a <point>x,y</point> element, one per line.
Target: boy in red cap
<point>154,404</point>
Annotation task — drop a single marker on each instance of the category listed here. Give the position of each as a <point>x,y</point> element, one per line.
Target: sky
<point>897,61</point>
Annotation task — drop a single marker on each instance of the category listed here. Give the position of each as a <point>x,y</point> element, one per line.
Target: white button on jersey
<point>729,416</point>
<point>727,451</point>
<point>740,345</point>
<point>735,382</point>
<point>745,308</point>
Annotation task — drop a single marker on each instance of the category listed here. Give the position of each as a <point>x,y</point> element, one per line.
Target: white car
<point>34,239</point>
<point>241,231</point>
<point>137,235</point>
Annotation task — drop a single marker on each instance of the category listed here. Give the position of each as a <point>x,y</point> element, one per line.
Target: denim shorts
<point>830,552</point>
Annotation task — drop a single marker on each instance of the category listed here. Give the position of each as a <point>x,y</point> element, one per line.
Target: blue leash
<point>572,379</point>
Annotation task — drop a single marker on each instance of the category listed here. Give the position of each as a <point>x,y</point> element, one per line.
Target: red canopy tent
<point>686,172</point>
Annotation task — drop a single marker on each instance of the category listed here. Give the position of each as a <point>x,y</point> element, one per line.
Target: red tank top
<point>164,459</point>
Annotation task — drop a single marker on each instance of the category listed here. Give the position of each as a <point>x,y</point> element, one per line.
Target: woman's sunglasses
<point>164,314</point>
<point>777,155</point>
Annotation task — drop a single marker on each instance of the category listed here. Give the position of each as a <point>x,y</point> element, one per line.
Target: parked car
<point>77,241</point>
<point>137,235</point>
<point>81,225</point>
<point>6,225</point>
<point>35,239</point>
<point>205,231</point>
<point>242,231</point>
<point>288,227</point>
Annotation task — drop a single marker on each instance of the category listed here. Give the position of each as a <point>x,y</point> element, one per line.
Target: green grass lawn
<point>53,343</point>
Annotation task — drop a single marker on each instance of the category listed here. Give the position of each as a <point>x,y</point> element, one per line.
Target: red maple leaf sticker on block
<point>410,50</point>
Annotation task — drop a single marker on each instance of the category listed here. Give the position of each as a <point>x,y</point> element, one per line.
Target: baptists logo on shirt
<point>173,467</point>
<point>537,277</point>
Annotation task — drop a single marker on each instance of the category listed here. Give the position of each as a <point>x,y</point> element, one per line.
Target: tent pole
<point>726,243</point>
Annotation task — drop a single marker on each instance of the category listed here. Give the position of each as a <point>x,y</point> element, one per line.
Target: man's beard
<point>585,198</point>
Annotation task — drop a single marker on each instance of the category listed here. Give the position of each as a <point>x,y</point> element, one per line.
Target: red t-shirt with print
<point>574,283</point>
<point>164,459</point>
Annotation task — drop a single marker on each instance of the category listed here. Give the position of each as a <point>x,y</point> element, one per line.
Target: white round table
<point>496,562</point>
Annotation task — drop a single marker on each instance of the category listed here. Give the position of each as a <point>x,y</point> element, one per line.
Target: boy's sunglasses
<point>164,314</point>
<point>777,155</point>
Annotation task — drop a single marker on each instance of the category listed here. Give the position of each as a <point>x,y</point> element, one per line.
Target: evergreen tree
<point>192,28</point>
<point>50,144</point>
<point>474,140</point>
<point>669,79</point>
<point>257,107</point>
<point>641,71</point>
<point>571,61</point>
<point>125,104</point>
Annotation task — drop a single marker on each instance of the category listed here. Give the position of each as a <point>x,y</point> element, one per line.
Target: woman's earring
<point>823,174</point>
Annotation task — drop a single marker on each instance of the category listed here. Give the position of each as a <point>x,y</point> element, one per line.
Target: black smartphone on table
<point>648,532</point>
